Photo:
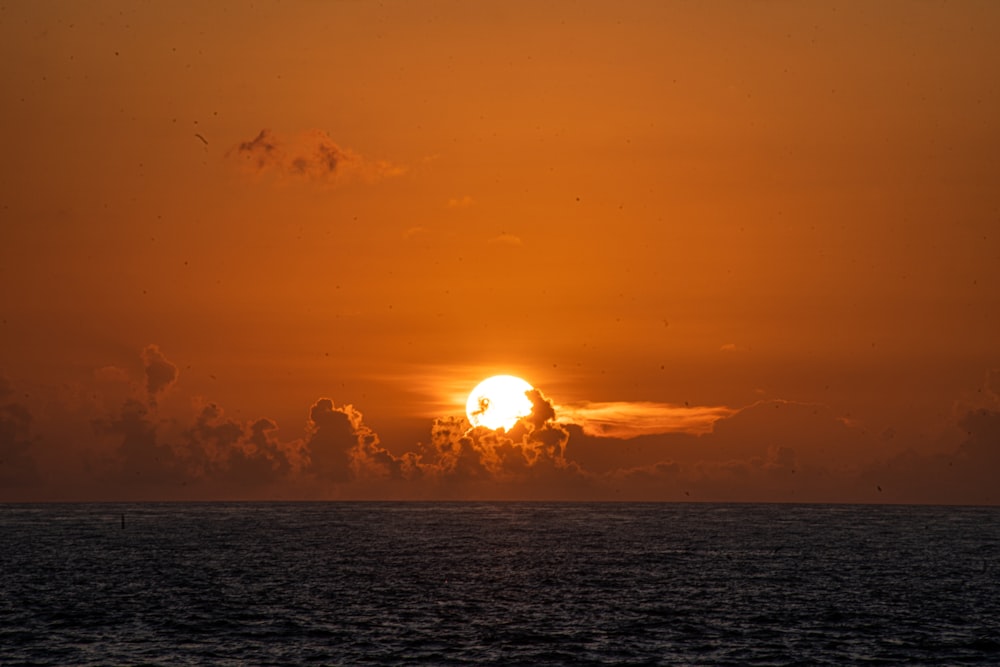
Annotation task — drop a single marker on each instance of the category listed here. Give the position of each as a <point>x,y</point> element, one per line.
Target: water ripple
<point>501,584</point>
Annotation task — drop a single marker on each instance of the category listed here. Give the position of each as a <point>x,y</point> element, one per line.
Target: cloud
<point>631,419</point>
<point>342,448</point>
<point>261,151</point>
<point>654,475</point>
<point>144,459</point>
<point>982,443</point>
<point>332,435</point>
<point>601,455</point>
<point>311,156</point>
<point>152,455</point>
<point>160,373</point>
<point>768,451</point>
<point>6,387</point>
<point>528,460</point>
<point>17,467</point>
<point>506,239</point>
<point>239,455</point>
<point>992,384</point>
<point>820,437</point>
<point>214,456</point>
<point>966,474</point>
<point>452,453</point>
<point>261,456</point>
<point>545,455</point>
<point>460,202</point>
<point>771,450</point>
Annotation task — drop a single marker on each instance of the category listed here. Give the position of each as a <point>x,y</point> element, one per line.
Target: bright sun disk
<point>498,402</point>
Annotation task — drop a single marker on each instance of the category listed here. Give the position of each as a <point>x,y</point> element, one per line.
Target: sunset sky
<point>743,251</point>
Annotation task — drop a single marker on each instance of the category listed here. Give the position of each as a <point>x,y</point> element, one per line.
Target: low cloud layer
<point>769,451</point>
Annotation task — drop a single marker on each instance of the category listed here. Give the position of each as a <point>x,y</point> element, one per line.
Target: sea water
<point>498,583</point>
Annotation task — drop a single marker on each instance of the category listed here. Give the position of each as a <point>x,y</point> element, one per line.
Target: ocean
<point>486,583</point>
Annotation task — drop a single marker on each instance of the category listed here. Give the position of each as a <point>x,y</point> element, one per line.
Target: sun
<point>498,402</point>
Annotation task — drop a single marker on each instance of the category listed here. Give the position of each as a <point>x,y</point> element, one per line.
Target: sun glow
<point>498,402</point>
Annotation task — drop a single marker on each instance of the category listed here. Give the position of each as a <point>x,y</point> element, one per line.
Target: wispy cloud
<point>624,419</point>
<point>506,239</point>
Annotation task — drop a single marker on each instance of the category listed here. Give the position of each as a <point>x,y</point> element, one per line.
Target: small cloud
<point>462,202</point>
<point>632,419</point>
<point>414,231</point>
<point>728,347</point>
<point>506,239</point>
<point>850,422</point>
<point>312,156</point>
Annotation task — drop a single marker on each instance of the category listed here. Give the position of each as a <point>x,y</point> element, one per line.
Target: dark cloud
<point>978,456</point>
<point>602,455</point>
<point>241,456</point>
<point>261,151</point>
<point>214,455</point>
<point>331,437</point>
<point>452,453</point>
<point>768,451</point>
<point>528,460</point>
<point>17,467</point>
<point>779,451</point>
<point>654,479</point>
<point>261,455</point>
<point>312,155</point>
<point>160,373</point>
<point>143,459</point>
<point>446,440</point>
<point>982,443</point>
<point>966,474</point>
<point>820,437</point>
<point>341,448</point>
<point>542,411</point>
<point>211,440</point>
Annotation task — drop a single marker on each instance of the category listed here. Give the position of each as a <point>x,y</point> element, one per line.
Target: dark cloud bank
<point>769,451</point>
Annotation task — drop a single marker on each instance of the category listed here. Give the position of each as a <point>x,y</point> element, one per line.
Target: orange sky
<point>745,251</point>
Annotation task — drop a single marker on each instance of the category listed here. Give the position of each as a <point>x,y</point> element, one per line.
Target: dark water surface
<point>498,583</point>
